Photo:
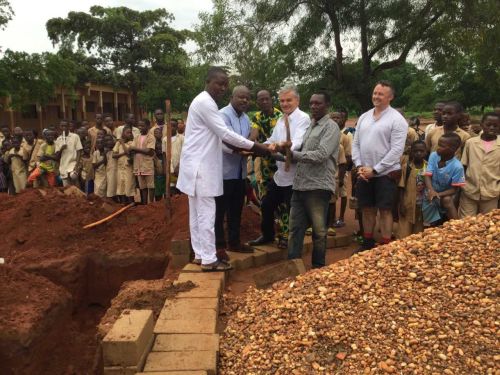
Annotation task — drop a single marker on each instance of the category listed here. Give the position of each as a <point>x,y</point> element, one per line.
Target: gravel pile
<point>427,304</point>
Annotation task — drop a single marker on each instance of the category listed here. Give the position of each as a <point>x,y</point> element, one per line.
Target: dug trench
<point>58,279</point>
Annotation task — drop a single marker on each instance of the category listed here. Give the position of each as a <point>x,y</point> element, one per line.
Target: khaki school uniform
<point>93,135</point>
<point>410,139</point>
<point>177,144</point>
<point>144,164</point>
<point>86,168</point>
<point>432,139</point>
<point>18,169</point>
<point>412,222</point>
<point>341,160</point>
<point>111,174</point>
<point>34,154</point>
<point>100,187</point>
<point>125,180</point>
<point>482,178</point>
<point>163,130</point>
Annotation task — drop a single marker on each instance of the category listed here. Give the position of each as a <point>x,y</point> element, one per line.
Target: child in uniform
<point>411,191</point>
<point>17,158</point>
<point>111,167</point>
<point>125,183</point>
<point>99,162</point>
<point>443,177</point>
<point>144,150</point>
<point>160,178</point>
<point>86,168</point>
<point>481,159</point>
<point>47,159</point>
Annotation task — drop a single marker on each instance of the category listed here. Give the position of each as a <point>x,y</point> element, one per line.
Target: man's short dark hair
<point>453,139</point>
<point>490,114</point>
<point>325,95</point>
<point>386,83</point>
<point>458,106</point>
<point>214,71</point>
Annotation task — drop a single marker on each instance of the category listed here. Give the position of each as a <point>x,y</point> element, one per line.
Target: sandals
<point>196,261</point>
<point>216,266</point>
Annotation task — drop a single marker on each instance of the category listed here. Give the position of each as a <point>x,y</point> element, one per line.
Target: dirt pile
<point>59,278</point>
<point>427,304</point>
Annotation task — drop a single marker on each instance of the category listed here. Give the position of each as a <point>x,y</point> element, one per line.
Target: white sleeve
<point>298,136</point>
<point>274,134</point>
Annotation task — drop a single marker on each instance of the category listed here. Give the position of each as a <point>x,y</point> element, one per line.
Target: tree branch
<point>411,43</point>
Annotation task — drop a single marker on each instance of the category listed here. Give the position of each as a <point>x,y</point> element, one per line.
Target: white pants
<point>202,228</point>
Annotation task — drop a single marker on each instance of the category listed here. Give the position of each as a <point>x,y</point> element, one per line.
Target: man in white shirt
<point>70,148</point>
<point>200,174</point>
<point>279,189</point>
<point>376,153</point>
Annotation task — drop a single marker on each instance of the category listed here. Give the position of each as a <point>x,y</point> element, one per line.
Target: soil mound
<point>427,304</point>
<point>42,225</point>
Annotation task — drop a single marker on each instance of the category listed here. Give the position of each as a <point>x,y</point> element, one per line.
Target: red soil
<point>72,273</point>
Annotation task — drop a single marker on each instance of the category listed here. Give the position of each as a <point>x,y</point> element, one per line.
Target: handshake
<point>281,147</point>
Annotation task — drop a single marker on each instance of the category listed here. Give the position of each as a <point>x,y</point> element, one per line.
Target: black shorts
<point>377,192</point>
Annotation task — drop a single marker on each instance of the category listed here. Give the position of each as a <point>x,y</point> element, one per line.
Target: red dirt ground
<point>59,278</point>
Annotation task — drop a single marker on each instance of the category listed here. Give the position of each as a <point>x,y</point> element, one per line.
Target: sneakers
<point>216,266</point>
<point>368,244</point>
<point>309,231</point>
<point>331,232</point>
<point>339,223</point>
<point>260,241</point>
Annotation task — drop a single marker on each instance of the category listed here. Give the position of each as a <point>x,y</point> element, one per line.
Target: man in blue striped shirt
<point>230,204</point>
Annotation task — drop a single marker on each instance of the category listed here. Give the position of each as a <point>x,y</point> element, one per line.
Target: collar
<point>234,111</point>
<point>323,120</point>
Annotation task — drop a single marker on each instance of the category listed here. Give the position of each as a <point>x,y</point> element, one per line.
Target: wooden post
<point>116,106</point>
<point>99,110</point>
<point>63,104</point>
<point>84,107</point>
<point>168,158</point>
<point>40,118</point>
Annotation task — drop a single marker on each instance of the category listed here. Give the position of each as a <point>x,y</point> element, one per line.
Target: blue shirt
<point>235,165</point>
<point>451,175</point>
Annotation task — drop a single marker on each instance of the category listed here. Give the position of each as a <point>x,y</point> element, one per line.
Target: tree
<point>330,40</point>
<point>33,78</point>
<point>6,13</point>
<point>136,48</point>
<point>257,59</point>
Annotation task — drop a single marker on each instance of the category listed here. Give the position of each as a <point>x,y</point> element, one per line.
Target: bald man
<point>230,204</point>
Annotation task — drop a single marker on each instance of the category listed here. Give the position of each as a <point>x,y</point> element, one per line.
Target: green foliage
<point>133,49</point>
<point>346,46</point>
<point>257,58</point>
<point>6,13</point>
<point>33,78</point>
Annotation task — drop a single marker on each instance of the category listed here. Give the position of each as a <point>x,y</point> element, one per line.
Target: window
<point>90,106</point>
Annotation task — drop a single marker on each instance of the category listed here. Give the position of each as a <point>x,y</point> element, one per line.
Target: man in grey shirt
<point>376,153</point>
<point>314,181</point>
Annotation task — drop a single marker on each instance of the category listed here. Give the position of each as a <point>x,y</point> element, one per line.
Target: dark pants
<point>230,204</point>
<point>309,208</point>
<point>275,196</point>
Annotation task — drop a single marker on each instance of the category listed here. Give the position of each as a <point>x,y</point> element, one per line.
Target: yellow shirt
<point>409,185</point>
<point>46,149</point>
<point>482,176</point>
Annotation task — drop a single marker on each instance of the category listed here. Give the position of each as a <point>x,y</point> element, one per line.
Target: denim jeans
<point>309,208</point>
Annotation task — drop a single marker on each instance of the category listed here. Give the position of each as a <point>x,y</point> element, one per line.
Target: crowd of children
<point>124,164</point>
<point>449,171</point>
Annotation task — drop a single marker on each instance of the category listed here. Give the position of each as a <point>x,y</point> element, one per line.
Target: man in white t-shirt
<point>70,148</point>
<point>279,189</point>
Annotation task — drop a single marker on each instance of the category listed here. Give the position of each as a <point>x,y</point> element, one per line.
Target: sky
<point>26,31</point>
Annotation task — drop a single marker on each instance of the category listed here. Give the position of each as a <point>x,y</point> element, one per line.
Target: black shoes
<point>260,241</point>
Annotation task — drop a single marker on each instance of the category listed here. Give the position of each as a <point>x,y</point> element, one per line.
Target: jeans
<point>309,208</point>
<point>230,205</point>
